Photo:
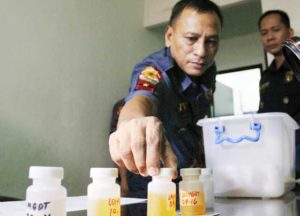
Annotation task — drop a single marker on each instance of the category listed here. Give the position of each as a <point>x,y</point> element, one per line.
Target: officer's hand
<point>139,144</point>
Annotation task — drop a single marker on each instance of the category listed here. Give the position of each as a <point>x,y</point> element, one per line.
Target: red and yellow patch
<point>148,79</point>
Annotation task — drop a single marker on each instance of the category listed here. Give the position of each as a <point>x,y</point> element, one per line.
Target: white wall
<point>291,7</point>
<point>240,51</point>
<point>63,65</point>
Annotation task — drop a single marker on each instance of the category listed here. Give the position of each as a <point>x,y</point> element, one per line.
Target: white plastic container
<point>162,194</point>
<point>46,195</point>
<point>251,155</point>
<point>104,193</point>
<point>191,194</point>
<point>284,206</point>
<point>206,177</point>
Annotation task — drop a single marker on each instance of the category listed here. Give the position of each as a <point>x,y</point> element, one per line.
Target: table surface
<point>288,205</point>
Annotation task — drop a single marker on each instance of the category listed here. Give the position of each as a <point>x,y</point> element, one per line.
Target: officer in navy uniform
<point>181,104</point>
<point>170,91</point>
<point>279,89</point>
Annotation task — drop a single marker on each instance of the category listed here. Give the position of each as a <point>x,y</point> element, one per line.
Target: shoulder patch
<point>148,79</point>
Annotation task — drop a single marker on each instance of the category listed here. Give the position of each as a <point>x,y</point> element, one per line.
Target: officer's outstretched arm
<point>139,142</point>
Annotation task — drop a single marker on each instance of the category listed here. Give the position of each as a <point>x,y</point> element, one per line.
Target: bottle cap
<point>44,172</point>
<point>103,172</point>
<point>206,171</point>
<point>190,171</point>
<point>166,172</point>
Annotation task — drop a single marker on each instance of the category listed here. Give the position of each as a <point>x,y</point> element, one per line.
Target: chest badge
<point>209,95</point>
<point>264,86</point>
<point>182,107</point>
<point>184,112</point>
<point>289,76</point>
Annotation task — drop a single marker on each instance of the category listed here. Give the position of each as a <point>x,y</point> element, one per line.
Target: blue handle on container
<point>219,130</point>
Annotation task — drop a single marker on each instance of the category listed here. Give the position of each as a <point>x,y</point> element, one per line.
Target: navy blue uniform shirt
<point>280,91</point>
<point>181,103</point>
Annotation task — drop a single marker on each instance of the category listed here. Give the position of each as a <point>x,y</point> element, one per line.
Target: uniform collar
<point>185,81</point>
<point>283,67</point>
<point>166,62</point>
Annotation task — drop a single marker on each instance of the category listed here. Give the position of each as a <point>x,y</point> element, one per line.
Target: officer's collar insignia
<point>289,76</point>
<point>209,94</point>
<point>264,86</point>
<point>148,79</point>
<point>182,107</point>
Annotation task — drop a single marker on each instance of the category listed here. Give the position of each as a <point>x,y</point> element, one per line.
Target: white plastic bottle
<point>162,194</point>
<point>191,194</point>
<point>206,178</point>
<point>104,193</point>
<point>46,195</point>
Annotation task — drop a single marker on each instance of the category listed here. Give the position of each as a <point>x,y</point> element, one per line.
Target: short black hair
<point>283,16</point>
<point>198,5</point>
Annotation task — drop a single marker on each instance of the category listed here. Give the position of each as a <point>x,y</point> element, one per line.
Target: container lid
<point>190,172</point>
<point>288,120</point>
<point>44,172</point>
<point>103,172</point>
<point>206,171</point>
<point>166,172</point>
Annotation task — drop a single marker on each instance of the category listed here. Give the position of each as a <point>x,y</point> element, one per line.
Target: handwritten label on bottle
<point>171,201</point>
<point>104,207</point>
<point>114,206</point>
<point>190,198</point>
<point>46,208</point>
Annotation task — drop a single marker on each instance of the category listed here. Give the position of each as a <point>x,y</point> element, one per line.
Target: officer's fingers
<point>123,134</point>
<point>114,150</point>
<point>168,157</point>
<point>124,149</point>
<point>138,145</point>
<point>154,135</point>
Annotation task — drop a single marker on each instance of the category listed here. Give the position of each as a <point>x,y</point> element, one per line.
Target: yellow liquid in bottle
<point>192,203</point>
<point>161,205</point>
<point>104,207</point>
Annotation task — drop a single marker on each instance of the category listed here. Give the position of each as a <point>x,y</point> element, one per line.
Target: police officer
<point>170,90</point>
<point>279,89</point>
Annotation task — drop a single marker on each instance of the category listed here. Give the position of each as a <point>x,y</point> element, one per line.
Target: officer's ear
<point>168,36</point>
<point>291,32</point>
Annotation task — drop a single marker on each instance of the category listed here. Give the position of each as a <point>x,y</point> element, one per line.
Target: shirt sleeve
<point>146,80</point>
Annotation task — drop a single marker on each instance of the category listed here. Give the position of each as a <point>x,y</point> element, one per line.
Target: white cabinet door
<point>157,12</point>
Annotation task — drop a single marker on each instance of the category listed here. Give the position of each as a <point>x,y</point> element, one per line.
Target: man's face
<point>194,39</point>
<point>273,33</point>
